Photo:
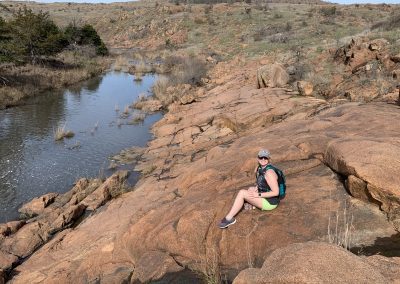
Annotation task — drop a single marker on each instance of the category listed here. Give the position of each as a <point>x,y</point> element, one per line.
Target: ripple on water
<point>32,163</point>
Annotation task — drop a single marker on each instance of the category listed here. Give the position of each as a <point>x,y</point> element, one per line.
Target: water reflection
<point>32,163</point>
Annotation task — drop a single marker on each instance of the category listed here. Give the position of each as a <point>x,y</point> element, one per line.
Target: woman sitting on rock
<point>265,195</point>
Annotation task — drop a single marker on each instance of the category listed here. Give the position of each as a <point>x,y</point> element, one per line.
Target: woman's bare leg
<point>243,196</point>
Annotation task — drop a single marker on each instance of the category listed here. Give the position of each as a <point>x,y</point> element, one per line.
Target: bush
<point>259,34</point>
<point>31,36</point>
<point>392,23</point>
<point>328,11</point>
<point>189,71</point>
<point>5,51</point>
<point>86,35</point>
<point>185,70</point>
<point>160,88</point>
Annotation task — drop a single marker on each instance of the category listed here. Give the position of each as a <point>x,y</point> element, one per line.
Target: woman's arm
<point>272,179</point>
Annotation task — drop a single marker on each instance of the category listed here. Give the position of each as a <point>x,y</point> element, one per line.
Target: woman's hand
<point>253,192</point>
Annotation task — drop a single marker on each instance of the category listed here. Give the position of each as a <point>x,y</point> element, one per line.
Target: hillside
<point>329,116</point>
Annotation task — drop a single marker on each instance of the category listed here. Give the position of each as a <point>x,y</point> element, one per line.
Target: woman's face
<point>263,161</point>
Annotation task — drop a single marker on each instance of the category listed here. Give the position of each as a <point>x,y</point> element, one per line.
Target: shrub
<point>32,36</point>
<point>137,118</point>
<point>142,67</point>
<point>259,34</point>
<point>160,88</point>
<point>85,35</point>
<point>392,23</point>
<point>328,11</point>
<point>288,26</point>
<point>61,133</point>
<point>185,70</point>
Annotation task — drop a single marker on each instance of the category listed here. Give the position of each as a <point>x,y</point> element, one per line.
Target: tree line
<point>29,37</point>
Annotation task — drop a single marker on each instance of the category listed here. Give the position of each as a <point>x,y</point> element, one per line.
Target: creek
<point>33,163</point>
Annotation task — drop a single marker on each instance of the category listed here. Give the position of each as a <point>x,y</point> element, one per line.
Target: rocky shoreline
<point>51,215</point>
<point>202,153</point>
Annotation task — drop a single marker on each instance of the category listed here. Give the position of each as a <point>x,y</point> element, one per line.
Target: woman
<point>265,195</point>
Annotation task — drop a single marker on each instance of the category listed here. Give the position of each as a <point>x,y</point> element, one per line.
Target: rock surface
<point>313,262</point>
<point>364,64</point>
<point>54,213</point>
<point>202,154</point>
<point>37,205</point>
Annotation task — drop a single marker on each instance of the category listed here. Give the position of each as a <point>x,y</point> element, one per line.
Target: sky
<point>332,1</point>
<point>365,1</point>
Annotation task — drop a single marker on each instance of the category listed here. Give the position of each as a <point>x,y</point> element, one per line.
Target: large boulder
<point>272,76</point>
<point>373,161</point>
<point>312,262</point>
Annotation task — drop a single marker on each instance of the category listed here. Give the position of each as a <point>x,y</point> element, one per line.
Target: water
<point>32,163</point>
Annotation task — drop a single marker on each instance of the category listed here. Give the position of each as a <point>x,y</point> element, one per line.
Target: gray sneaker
<point>226,223</point>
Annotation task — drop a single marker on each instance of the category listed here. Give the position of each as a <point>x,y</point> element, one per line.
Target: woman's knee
<point>243,193</point>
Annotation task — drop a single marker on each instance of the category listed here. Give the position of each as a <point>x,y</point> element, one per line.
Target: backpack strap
<point>269,167</point>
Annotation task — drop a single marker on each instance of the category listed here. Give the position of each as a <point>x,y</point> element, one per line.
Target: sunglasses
<point>262,158</point>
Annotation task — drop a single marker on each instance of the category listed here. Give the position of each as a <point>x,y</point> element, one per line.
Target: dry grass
<point>119,122</point>
<point>147,171</point>
<point>137,118</point>
<point>138,77</point>
<point>208,266</point>
<point>160,90</point>
<point>138,104</point>
<point>142,67</point>
<point>61,133</point>
<point>142,97</point>
<point>224,121</point>
<point>185,69</point>
<point>30,80</point>
<point>126,110</point>
<point>121,64</point>
<point>340,230</point>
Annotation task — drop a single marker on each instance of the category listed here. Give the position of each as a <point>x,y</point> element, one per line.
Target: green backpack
<point>281,179</point>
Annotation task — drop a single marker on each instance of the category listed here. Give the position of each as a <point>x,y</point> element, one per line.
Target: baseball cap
<point>264,153</point>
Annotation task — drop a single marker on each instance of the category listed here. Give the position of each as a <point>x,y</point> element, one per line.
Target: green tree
<point>35,35</point>
<point>73,34</point>
<point>86,35</point>
<point>5,37</point>
<point>4,32</point>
